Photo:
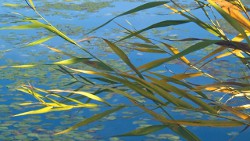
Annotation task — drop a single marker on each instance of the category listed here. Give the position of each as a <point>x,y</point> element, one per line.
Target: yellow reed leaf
<point>237,113</point>
<point>23,66</point>
<point>176,51</point>
<point>234,12</point>
<point>189,75</point>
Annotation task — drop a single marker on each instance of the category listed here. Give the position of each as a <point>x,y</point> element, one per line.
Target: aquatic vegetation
<point>203,90</point>
<point>89,6</point>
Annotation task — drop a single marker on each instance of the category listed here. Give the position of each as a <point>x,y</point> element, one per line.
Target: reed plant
<point>160,91</point>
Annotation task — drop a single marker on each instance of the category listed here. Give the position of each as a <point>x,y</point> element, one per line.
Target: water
<point>76,21</point>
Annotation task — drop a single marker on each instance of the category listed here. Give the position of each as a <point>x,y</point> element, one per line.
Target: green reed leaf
<point>166,79</point>
<point>172,124</point>
<point>145,39</point>
<point>123,56</point>
<point>139,8</point>
<point>141,45</point>
<point>182,93</point>
<point>127,83</point>
<point>91,119</point>
<point>37,24</point>
<point>59,33</point>
<point>120,92</point>
<point>70,61</point>
<point>162,92</point>
<point>157,25</point>
<point>143,131</point>
<point>40,41</point>
<point>97,65</point>
<point>21,27</point>
<point>209,28</point>
<point>150,50</point>
<point>195,47</point>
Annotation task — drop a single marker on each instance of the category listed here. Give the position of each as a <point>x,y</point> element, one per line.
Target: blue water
<point>42,127</point>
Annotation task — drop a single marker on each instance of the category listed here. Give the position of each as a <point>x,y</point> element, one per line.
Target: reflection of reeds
<point>156,88</point>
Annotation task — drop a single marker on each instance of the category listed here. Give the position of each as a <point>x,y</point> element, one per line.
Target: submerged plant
<point>158,90</point>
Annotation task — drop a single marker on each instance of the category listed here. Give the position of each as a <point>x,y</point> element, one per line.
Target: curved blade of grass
<point>242,107</point>
<point>40,41</point>
<point>63,62</point>
<point>145,45</point>
<point>200,23</point>
<point>121,92</point>
<point>90,120</point>
<point>166,79</point>
<point>31,92</point>
<point>235,45</point>
<point>136,88</point>
<point>88,95</point>
<point>123,56</point>
<point>143,131</point>
<point>104,80</point>
<point>189,75</point>
<point>235,52</point>
<point>239,114</point>
<point>180,92</point>
<point>195,47</point>
<point>23,66</point>
<point>60,51</point>
<point>58,104</point>
<point>31,4</point>
<point>70,99</point>
<point>97,65</point>
<point>240,37</point>
<point>235,12</point>
<point>163,93</point>
<point>70,61</point>
<point>145,39</point>
<point>218,50</point>
<point>37,24</point>
<point>54,30</point>
<point>21,27</point>
<point>174,126</point>
<point>139,8</point>
<point>176,51</point>
<point>150,50</point>
<point>127,83</point>
<point>237,38</point>
<point>157,25</point>
<point>230,20</point>
<point>39,111</point>
<point>207,123</point>
<point>11,5</point>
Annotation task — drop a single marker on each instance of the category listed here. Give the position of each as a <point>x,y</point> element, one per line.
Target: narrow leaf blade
<point>90,120</point>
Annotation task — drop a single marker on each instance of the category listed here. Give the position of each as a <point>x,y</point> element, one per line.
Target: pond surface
<point>76,18</point>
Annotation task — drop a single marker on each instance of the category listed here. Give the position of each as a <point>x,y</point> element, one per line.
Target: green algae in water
<point>88,6</point>
<point>115,139</point>
<point>169,137</point>
<point>111,117</point>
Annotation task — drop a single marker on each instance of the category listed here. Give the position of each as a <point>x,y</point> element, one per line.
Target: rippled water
<point>76,20</point>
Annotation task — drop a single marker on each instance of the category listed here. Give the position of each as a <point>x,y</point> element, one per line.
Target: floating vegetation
<point>88,6</point>
<point>80,87</point>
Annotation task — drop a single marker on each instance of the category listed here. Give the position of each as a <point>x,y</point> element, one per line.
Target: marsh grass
<point>157,89</point>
